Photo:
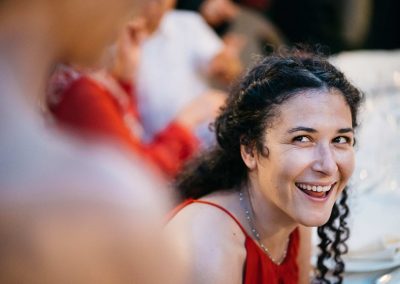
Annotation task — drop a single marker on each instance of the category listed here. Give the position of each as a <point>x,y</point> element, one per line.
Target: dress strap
<point>190,201</point>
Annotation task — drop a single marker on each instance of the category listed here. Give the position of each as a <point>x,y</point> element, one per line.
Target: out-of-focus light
<point>396,78</point>
<point>393,185</point>
<point>363,174</point>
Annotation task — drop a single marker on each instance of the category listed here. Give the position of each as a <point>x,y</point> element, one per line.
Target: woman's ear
<point>248,156</point>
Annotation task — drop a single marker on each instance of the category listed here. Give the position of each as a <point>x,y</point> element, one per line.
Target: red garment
<point>259,268</point>
<point>92,109</point>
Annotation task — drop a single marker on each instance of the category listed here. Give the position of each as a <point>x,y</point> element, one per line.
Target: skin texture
<point>216,12</point>
<point>304,256</point>
<point>153,11</point>
<point>73,31</point>
<point>323,156</point>
<point>98,23</point>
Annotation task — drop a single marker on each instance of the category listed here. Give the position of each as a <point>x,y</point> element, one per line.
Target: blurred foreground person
<point>70,212</point>
<point>76,230</point>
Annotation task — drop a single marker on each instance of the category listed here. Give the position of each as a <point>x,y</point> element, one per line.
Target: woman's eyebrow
<point>302,128</point>
<point>346,130</point>
<point>312,130</point>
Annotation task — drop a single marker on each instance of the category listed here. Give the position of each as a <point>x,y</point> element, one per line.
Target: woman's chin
<point>314,220</point>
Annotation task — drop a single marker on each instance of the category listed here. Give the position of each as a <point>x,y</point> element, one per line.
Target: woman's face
<point>310,156</point>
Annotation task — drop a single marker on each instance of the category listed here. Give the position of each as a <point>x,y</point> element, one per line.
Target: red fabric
<point>258,267</point>
<point>91,110</point>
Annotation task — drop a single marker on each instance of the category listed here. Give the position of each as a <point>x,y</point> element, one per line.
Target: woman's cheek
<point>346,163</point>
<point>300,158</point>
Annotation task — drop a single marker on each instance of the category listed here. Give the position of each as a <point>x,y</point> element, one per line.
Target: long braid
<point>342,235</point>
<point>333,236</point>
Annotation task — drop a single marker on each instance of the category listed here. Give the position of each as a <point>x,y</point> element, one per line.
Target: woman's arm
<point>90,110</point>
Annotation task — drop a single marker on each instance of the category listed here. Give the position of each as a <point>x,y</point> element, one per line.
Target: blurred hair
<point>253,104</point>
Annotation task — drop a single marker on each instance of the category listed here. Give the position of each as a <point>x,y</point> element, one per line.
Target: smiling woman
<point>284,156</point>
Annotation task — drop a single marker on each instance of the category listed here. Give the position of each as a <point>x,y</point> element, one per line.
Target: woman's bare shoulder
<point>213,240</point>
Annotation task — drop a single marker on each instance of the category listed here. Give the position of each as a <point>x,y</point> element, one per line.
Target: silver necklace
<point>257,235</point>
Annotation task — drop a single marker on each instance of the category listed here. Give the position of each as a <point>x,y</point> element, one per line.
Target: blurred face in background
<point>84,28</point>
<point>153,12</point>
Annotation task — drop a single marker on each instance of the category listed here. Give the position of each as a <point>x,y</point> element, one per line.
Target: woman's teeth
<point>314,188</point>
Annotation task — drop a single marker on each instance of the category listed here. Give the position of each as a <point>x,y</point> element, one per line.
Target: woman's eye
<point>342,140</point>
<point>301,139</point>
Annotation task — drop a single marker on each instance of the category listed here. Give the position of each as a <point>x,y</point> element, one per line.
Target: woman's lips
<point>316,191</point>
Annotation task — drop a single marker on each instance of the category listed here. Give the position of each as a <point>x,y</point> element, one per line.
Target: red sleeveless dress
<point>258,267</point>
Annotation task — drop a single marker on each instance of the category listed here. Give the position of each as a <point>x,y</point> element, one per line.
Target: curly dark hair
<point>249,111</point>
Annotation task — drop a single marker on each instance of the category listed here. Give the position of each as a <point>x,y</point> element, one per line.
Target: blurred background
<point>338,25</point>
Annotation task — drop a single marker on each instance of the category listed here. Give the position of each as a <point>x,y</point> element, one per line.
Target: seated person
<point>179,57</point>
<point>70,212</point>
<point>104,103</point>
<point>256,33</point>
<point>284,156</point>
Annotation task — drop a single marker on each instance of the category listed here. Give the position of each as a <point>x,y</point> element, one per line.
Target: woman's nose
<point>325,161</point>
